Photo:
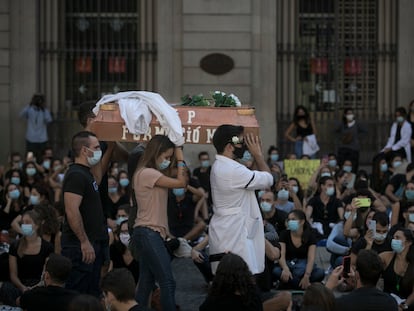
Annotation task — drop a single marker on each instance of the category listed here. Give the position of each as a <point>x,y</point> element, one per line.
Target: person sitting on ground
<point>118,287</point>
<point>318,298</point>
<point>297,268</point>
<point>366,296</point>
<point>395,188</point>
<point>284,192</point>
<point>53,295</point>
<point>275,217</point>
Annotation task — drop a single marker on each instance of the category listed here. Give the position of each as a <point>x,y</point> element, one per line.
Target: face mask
<point>330,191</point>
<point>325,174</point>
<point>93,160</point>
<point>124,238</point>
<point>347,168</point>
<point>27,229</point>
<point>295,189</point>
<point>246,156</point>
<point>293,225</point>
<point>30,171</point>
<point>396,164</point>
<point>14,194</point>
<point>112,190</point>
<point>349,117</point>
<point>124,182</point>
<point>205,163</point>
<point>57,168</point>
<point>411,217</point>
<point>380,237</point>
<point>164,164</point>
<point>34,200</point>
<point>332,163</point>
<point>265,206</point>
<point>274,157</point>
<point>409,194</point>
<point>283,194</point>
<point>178,192</point>
<point>348,214</point>
<point>120,220</point>
<point>397,245</point>
<point>384,167</point>
<point>46,164</point>
<point>239,151</point>
<point>400,119</point>
<point>260,193</point>
<point>15,180</point>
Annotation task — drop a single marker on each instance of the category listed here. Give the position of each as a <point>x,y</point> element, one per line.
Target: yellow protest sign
<point>301,169</point>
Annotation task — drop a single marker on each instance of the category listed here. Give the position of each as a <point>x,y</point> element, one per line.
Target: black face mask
<point>239,151</point>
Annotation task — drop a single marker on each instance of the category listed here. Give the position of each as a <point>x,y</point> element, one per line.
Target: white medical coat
<point>236,225</point>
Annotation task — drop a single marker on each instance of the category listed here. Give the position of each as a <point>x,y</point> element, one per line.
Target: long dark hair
<point>408,279</point>
<point>156,146</point>
<point>38,101</point>
<point>306,116</point>
<point>233,276</point>
<point>307,230</point>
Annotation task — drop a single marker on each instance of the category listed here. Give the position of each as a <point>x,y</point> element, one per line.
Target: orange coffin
<point>199,123</point>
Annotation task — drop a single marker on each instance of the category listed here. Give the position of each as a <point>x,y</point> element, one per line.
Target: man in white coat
<point>236,225</point>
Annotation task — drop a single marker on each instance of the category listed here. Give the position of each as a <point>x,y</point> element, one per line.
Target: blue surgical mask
<point>246,156</point>
<point>347,168</point>
<point>164,164</point>
<point>295,189</point>
<point>409,194</point>
<point>293,225</point>
<point>178,192</point>
<point>120,220</point>
<point>332,163</point>
<point>14,194</point>
<point>265,206</point>
<point>15,180</point>
<point>397,246</point>
<point>27,229</point>
<point>30,171</point>
<point>112,189</point>
<point>283,194</point>
<point>384,167</point>
<point>274,157</point>
<point>400,119</point>
<point>411,217</point>
<point>325,174</point>
<point>330,191</point>
<point>34,200</point>
<point>348,214</point>
<point>396,164</point>
<point>93,160</point>
<point>124,182</point>
<point>46,164</point>
<point>380,237</point>
<point>205,163</point>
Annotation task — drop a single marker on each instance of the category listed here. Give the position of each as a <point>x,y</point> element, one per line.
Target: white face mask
<point>124,238</point>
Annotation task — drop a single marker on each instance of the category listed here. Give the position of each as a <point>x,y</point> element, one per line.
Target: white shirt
<point>237,225</point>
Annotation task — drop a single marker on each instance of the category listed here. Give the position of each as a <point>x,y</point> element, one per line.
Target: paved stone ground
<point>191,288</point>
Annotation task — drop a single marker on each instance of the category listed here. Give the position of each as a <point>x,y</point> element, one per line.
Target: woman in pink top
<point>150,183</point>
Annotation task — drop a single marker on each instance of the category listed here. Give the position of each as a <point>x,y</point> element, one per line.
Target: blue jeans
<point>84,278</point>
<point>298,148</point>
<point>154,266</point>
<point>298,268</point>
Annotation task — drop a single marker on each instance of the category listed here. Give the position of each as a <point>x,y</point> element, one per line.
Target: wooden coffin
<point>199,123</point>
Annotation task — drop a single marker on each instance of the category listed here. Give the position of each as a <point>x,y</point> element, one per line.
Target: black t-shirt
<point>325,214</point>
<point>204,180</point>
<point>278,220</point>
<point>366,299</point>
<point>113,208</point>
<point>79,180</point>
<point>398,182</point>
<point>230,302</point>
<point>116,251</point>
<point>180,214</point>
<point>361,243</point>
<point>30,267</point>
<point>47,298</point>
<point>293,252</point>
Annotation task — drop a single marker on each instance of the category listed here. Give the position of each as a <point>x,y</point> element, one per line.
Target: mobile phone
<point>372,225</point>
<point>364,202</point>
<point>346,263</point>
